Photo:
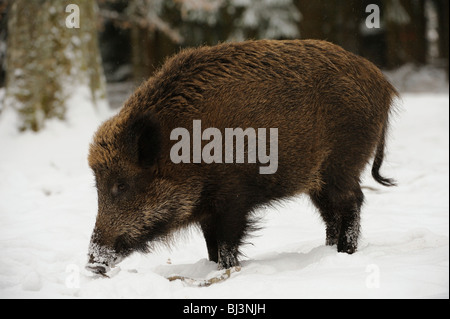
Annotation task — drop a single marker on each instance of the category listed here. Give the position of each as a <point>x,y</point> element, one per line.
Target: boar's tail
<point>378,160</point>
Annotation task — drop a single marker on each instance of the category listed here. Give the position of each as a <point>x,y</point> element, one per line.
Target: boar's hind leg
<point>340,209</point>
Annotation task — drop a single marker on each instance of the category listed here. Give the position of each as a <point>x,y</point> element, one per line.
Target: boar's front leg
<point>223,234</point>
<point>209,232</point>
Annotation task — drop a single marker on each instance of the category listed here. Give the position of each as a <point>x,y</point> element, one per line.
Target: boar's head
<point>139,201</point>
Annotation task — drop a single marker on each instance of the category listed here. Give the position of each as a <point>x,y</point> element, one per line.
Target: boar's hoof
<point>227,257</point>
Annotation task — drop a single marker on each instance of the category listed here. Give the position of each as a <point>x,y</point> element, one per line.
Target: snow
<point>48,207</point>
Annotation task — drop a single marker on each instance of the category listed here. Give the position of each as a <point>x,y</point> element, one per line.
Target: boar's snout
<point>101,258</point>
<point>97,268</point>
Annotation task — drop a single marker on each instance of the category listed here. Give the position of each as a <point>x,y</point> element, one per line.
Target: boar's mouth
<point>98,269</point>
<point>102,259</point>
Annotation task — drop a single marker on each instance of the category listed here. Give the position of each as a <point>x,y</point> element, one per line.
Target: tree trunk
<point>335,21</point>
<point>443,9</point>
<point>140,53</point>
<point>47,59</point>
<point>405,38</point>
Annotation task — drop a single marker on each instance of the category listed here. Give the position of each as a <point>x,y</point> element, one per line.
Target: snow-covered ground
<point>48,207</point>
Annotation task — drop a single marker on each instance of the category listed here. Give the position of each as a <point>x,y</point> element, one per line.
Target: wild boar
<point>328,107</point>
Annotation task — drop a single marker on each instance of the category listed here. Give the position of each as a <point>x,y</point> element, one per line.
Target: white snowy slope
<point>48,207</point>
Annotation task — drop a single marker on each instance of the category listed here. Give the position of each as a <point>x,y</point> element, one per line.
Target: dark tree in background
<point>402,37</point>
<point>3,10</point>
<point>335,21</point>
<point>443,25</point>
<point>405,32</point>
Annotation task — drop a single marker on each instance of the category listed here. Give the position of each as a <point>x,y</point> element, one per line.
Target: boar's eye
<point>119,188</point>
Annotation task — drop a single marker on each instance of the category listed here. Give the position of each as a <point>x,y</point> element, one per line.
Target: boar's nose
<point>101,257</point>
<point>96,267</point>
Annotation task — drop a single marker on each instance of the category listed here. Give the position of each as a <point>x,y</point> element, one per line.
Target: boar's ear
<point>147,135</point>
